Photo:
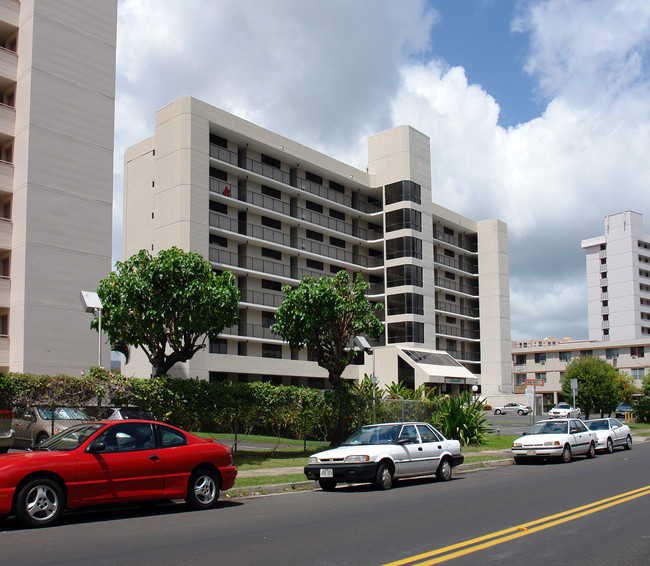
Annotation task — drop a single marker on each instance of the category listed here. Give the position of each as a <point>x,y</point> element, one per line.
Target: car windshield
<point>379,434</point>
<point>598,425</point>
<point>549,427</point>
<point>70,438</point>
<point>62,413</point>
<point>562,406</point>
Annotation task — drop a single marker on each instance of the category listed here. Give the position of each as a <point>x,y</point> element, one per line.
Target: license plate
<point>531,452</point>
<point>326,473</point>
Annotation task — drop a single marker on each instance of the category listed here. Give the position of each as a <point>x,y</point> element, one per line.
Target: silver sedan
<point>512,408</point>
<point>612,433</point>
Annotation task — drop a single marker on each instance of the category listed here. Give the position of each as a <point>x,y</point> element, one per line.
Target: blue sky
<point>538,111</point>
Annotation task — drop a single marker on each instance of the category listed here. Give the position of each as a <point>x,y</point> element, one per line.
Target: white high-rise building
<point>57,90</point>
<point>272,210</point>
<point>618,279</point>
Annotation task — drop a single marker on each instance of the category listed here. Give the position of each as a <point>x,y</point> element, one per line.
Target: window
<point>271,192</point>
<point>218,241</point>
<point>586,353</point>
<point>314,206</point>
<point>611,353</point>
<point>403,191</point>
<point>405,332</point>
<point>405,303</point>
<point>218,207</point>
<point>271,351</point>
<point>313,178</point>
<point>268,160</point>
<point>637,352</point>
<point>337,214</point>
<point>405,218</point>
<point>313,264</point>
<point>520,359</point>
<point>218,140</point>
<point>127,437</point>
<point>404,275</point>
<point>406,246</point>
<point>271,223</point>
<point>271,285</point>
<point>541,375</point>
<point>273,254</point>
<point>638,373</point>
<point>520,379</point>
<point>540,358</point>
<point>337,187</point>
<point>427,434</point>
<point>565,356</point>
<point>337,242</point>
<point>218,174</point>
<point>218,346</point>
<point>314,235</point>
<point>170,437</point>
<point>268,318</point>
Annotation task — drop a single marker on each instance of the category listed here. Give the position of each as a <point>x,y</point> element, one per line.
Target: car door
<point>620,434</point>
<point>581,435</point>
<point>129,467</point>
<point>410,460</point>
<point>432,447</point>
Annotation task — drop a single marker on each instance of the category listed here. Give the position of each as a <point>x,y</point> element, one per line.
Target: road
<point>357,525</point>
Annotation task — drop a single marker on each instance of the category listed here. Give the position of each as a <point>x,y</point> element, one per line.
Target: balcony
<point>456,286</point>
<point>7,121</point>
<point>10,12</point>
<point>6,177</point>
<point>453,308</point>
<point>5,290</point>
<point>8,66</point>
<point>456,263</point>
<point>5,234</point>
<point>454,241</point>
<point>449,330</point>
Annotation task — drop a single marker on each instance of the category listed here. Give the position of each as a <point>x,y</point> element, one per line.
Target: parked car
<point>109,462</point>
<point>556,438</point>
<point>381,453</point>
<point>512,408</point>
<point>564,411</point>
<point>622,409</point>
<point>123,413</point>
<point>6,431</point>
<point>34,425</point>
<point>611,434</point>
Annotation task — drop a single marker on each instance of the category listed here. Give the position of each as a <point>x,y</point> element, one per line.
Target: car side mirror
<point>97,446</point>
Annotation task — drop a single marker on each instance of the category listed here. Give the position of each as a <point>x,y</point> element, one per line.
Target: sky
<point>538,111</point>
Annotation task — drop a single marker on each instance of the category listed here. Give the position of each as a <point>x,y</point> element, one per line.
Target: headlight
<point>357,458</point>
<point>516,444</point>
<point>312,460</point>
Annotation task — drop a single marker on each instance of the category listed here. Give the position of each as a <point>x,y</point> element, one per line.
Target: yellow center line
<point>499,537</point>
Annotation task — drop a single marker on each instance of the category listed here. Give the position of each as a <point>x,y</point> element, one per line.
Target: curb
<point>295,487</point>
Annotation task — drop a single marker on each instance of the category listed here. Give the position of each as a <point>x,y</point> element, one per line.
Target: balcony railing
<point>465,356</point>
<point>232,260</point>
<point>449,330</point>
<point>248,330</point>
<point>456,263</point>
<point>455,241</point>
<point>456,286</point>
<point>446,306</point>
<point>262,298</point>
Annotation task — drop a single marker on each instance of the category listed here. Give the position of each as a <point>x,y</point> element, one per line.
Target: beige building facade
<point>272,210</point>
<point>57,83</point>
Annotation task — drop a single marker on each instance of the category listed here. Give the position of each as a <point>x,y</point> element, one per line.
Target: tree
<point>599,386</point>
<point>324,315</point>
<point>167,305</point>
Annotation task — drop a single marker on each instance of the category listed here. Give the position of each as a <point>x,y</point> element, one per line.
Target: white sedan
<point>556,438</point>
<point>611,434</point>
<point>512,408</point>
<point>381,453</point>
<point>564,411</point>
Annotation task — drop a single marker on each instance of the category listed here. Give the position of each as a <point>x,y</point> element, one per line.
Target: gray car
<point>32,426</point>
<point>512,408</point>
<point>6,431</point>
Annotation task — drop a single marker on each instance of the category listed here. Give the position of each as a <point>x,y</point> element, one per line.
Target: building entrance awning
<point>440,367</point>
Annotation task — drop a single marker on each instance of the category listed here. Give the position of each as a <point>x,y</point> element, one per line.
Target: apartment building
<point>57,89</point>
<point>618,279</point>
<point>272,211</point>
<point>546,360</point>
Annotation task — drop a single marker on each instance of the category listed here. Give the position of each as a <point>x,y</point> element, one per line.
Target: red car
<point>112,461</point>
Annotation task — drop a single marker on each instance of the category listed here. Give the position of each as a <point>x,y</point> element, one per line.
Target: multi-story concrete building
<point>618,279</point>
<point>547,360</point>
<point>271,211</point>
<point>57,89</point>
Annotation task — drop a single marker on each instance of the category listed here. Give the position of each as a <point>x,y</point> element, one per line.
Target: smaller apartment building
<point>547,360</point>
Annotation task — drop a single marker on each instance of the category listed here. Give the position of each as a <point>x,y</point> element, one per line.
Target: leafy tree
<point>599,388</point>
<point>167,305</point>
<point>625,386</point>
<point>324,315</point>
<point>646,385</point>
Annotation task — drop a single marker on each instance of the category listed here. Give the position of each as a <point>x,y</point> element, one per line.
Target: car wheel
<point>39,503</point>
<point>443,473</point>
<point>40,438</point>
<point>520,412</point>
<point>327,485</point>
<point>566,455</point>
<point>203,489</point>
<point>497,411</point>
<point>591,453</point>
<point>628,443</point>
<point>384,476</point>
<point>610,446</point>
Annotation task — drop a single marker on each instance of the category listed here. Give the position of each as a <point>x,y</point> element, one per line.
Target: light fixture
<point>92,303</point>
